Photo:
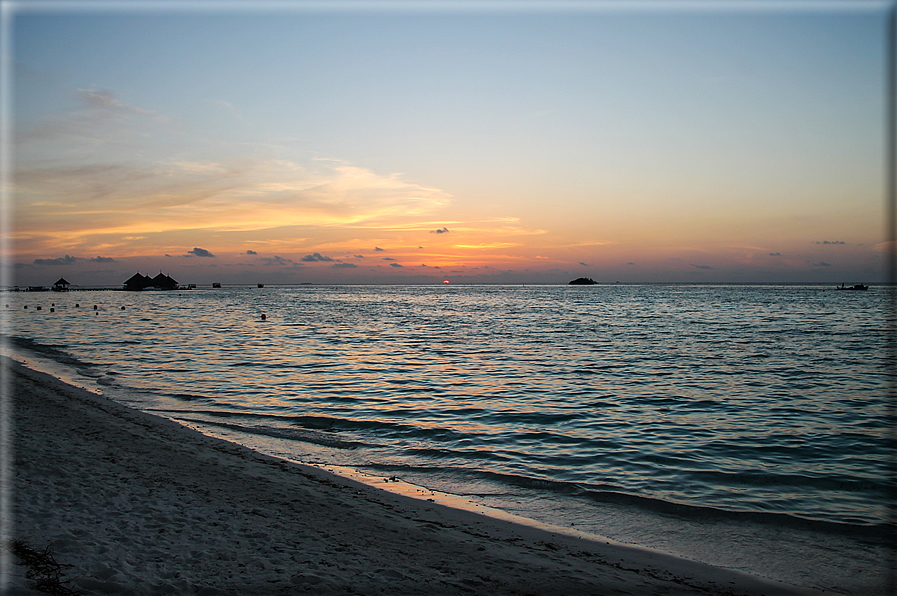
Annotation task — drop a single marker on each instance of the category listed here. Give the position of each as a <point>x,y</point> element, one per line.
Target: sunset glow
<point>300,144</point>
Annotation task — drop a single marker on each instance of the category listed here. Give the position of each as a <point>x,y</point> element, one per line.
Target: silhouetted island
<point>583,281</point>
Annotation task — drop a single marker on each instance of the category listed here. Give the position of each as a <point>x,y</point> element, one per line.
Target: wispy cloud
<point>104,169</point>
<point>276,260</point>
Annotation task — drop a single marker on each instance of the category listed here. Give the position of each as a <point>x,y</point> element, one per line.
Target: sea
<point>746,426</point>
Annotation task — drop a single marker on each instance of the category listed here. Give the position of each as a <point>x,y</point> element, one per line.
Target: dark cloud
<point>378,249</point>
<point>275,260</point>
<point>630,263</point>
<point>775,254</point>
<point>251,252</point>
<point>829,242</point>
<point>822,264</point>
<point>102,260</point>
<point>702,266</point>
<point>395,265</point>
<point>359,256</point>
<point>66,260</point>
<point>583,264</point>
<point>388,259</point>
<point>315,257</point>
<point>345,266</point>
<point>199,252</point>
<point>442,231</point>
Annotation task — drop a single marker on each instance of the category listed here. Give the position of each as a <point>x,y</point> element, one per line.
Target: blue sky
<point>519,143</point>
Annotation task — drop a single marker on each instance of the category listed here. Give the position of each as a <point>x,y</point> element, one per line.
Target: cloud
<point>775,254</point>
<point>444,230</point>
<point>275,260</point>
<point>251,252</point>
<point>378,249</point>
<point>199,252</point>
<point>583,264</point>
<point>359,256</point>
<point>395,265</point>
<point>102,260</point>
<point>822,264</point>
<point>344,266</point>
<point>829,242</point>
<point>630,263</point>
<point>78,176</point>
<point>315,257</point>
<point>102,98</point>
<point>66,260</point>
<point>489,245</point>
<point>388,259</point>
<point>702,266</point>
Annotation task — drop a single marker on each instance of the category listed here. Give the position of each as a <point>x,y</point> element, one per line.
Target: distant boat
<point>216,284</point>
<point>856,287</point>
<point>261,285</point>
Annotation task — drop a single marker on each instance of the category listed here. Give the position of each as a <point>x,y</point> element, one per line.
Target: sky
<point>420,142</point>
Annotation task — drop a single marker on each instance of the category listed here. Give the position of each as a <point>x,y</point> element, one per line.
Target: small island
<point>583,281</point>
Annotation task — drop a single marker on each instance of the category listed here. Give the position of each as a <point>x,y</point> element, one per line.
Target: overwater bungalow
<point>145,282</point>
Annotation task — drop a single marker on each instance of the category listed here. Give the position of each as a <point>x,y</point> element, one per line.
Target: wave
<point>51,351</point>
<point>293,434</point>
<point>609,495</point>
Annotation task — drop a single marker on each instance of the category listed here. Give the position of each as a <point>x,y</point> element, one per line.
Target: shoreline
<point>139,504</point>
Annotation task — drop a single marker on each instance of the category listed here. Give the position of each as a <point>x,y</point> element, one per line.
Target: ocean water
<point>726,423</point>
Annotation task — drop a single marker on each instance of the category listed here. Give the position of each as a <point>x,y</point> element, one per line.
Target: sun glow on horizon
<point>545,161</point>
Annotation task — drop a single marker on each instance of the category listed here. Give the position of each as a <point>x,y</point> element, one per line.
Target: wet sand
<point>131,503</point>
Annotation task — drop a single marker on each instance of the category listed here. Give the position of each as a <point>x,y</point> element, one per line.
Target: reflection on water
<point>752,399</point>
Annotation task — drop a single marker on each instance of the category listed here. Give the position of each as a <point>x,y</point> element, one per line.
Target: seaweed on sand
<point>43,570</point>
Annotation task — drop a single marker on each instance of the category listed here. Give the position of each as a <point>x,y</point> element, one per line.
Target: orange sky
<point>506,147</point>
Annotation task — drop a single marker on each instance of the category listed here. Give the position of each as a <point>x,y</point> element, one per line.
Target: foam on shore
<point>139,504</point>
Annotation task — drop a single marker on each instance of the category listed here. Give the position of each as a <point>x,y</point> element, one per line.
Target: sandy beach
<point>130,503</point>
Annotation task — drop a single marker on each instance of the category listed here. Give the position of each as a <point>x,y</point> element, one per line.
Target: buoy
<point>94,306</point>
<point>26,306</point>
<point>38,308</point>
<point>52,310</point>
<point>264,317</point>
<point>122,307</point>
<point>77,305</point>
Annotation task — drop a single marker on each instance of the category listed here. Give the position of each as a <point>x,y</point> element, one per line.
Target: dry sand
<point>131,503</point>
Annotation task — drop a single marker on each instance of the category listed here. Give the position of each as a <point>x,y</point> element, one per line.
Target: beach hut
<point>164,282</point>
<point>145,282</point>
<point>61,285</point>
<point>137,282</point>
